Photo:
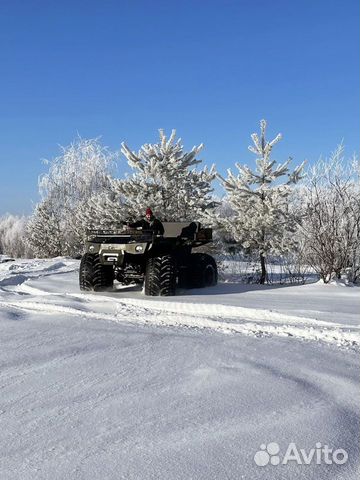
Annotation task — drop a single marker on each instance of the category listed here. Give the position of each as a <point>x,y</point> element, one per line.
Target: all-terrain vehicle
<point>162,262</point>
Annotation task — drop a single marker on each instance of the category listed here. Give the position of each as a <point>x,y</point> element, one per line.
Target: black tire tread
<point>93,276</point>
<point>160,276</point>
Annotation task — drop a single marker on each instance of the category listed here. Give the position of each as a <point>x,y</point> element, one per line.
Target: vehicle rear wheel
<point>160,276</point>
<point>93,276</point>
<point>202,271</point>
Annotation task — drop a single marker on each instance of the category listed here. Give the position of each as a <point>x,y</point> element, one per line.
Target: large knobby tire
<point>93,276</point>
<point>202,271</point>
<point>160,276</point>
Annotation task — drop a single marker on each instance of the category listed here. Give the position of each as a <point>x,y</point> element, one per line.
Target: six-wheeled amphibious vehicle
<point>162,262</point>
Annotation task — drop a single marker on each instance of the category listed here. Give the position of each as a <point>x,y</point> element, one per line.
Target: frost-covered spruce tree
<point>165,179</point>
<point>262,221</point>
<point>79,173</point>
<point>44,232</point>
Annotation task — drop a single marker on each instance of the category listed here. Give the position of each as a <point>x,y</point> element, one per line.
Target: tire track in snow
<point>230,312</point>
<point>152,313</point>
<point>197,309</point>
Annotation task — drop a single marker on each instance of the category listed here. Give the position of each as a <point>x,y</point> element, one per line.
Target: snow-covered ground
<point>121,386</point>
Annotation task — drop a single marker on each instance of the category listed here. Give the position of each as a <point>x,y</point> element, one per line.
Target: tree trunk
<point>263,269</point>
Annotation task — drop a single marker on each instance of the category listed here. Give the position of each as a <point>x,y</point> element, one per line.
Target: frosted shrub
<point>330,228</point>
<point>13,240</point>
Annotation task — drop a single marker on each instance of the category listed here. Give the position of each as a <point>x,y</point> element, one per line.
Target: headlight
<point>91,248</point>
<point>138,248</point>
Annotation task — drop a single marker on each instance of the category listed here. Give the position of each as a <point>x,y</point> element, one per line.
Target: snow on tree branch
<point>262,221</point>
<point>166,179</point>
<point>82,172</point>
<point>330,226</point>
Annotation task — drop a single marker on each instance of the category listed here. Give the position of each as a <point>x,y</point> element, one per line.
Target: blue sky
<point>211,69</point>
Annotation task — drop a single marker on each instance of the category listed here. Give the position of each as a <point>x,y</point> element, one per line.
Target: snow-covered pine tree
<point>262,221</point>
<point>44,232</point>
<point>101,211</point>
<point>166,180</point>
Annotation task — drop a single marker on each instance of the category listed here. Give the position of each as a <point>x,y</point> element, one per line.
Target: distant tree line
<point>309,215</point>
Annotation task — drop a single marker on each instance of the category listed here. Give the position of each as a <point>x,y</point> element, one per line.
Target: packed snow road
<point>119,385</point>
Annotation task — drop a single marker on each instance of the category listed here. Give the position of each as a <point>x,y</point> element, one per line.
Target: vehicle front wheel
<point>93,276</point>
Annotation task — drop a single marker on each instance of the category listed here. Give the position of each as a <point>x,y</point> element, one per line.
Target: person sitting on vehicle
<point>150,222</point>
